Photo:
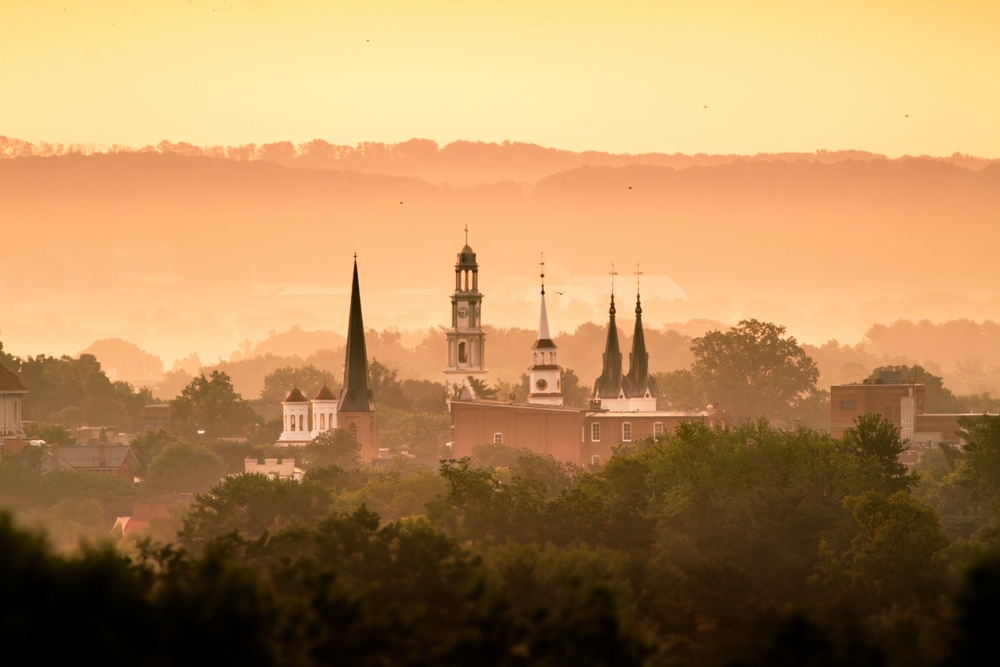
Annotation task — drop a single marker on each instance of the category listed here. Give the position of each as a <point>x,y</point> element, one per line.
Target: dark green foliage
<point>753,370</point>
<point>308,379</point>
<point>333,447</point>
<point>181,467</point>
<point>253,504</point>
<point>69,391</point>
<point>936,396</point>
<point>53,434</point>
<point>877,443</point>
<point>426,396</point>
<point>481,389</point>
<point>979,470</point>
<point>423,434</point>
<point>575,394</point>
<point>210,408</point>
<point>388,391</point>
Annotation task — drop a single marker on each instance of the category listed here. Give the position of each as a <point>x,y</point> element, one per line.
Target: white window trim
<point>629,438</point>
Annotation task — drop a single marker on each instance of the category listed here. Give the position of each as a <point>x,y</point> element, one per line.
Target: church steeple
<point>356,396</point>
<point>466,339</point>
<point>610,383</point>
<point>546,374</point>
<point>638,381</point>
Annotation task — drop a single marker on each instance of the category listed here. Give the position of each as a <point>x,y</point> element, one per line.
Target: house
<point>100,459</point>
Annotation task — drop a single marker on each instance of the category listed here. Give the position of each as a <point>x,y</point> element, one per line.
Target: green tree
<point>899,553</point>
<point>183,467</point>
<point>680,390</point>
<point>877,442</point>
<point>308,379</point>
<point>480,388</point>
<point>574,394</point>
<point>333,447</point>
<point>937,397</point>
<point>253,504</point>
<point>387,390</point>
<point>424,434</point>
<point>426,396</point>
<point>754,370</point>
<point>979,467</point>
<point>56,434</point>
<point>148,444</point>
<point>210,407</point>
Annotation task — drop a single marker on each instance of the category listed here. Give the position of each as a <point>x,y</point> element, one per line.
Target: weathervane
<point>542,264</point>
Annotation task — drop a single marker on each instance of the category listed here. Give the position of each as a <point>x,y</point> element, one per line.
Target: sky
<point>716,77</point>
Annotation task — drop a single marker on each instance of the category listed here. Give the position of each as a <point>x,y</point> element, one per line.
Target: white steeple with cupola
<point>545,372</point>
<point>466,340</point>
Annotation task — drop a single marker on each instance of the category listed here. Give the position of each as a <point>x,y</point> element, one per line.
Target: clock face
<point>463,312</point>
<point>542,385</point>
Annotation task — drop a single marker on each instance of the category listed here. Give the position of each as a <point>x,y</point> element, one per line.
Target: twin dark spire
<point>356,396</point>
<point>638,382</point>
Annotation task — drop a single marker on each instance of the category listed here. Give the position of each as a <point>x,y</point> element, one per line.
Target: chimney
<point>100,453</point>
<point>55,456</point>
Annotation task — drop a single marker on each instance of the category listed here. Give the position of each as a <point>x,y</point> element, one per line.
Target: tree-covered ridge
<point>753,546</point>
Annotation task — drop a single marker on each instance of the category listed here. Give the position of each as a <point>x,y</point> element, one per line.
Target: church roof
<point>544,338</point>
<point>10,382</point>
<point>609,384</point>
<point>467,257</point>
<point>324,394</point>
<point>356,395</point>
<point>295,396</point>
<point>639,381</point>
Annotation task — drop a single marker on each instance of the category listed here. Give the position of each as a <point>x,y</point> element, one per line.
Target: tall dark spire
<point>610,382</point>
<point>638,382</point>
<point>356,396</point>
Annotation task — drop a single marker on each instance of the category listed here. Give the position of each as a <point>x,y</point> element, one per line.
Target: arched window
<point>498,438</point>
<point>291,427</point>
<point>462,356</point>
<point>322,422</point>
<point>595,432</point>
<point>353,430</point>
<point>333,423</point>
<point>302,422</point>
<point>627,432</point>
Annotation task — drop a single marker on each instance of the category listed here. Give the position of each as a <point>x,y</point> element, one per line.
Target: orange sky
<point>616,76</point>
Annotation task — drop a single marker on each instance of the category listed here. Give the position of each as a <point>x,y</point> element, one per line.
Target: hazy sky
<point>615,76</point>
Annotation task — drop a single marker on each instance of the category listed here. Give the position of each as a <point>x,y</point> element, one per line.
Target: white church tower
<point>324,411</point>
<point>11,394</point>
<point>295,416</point>
<point>545,384</point>
<point>466,340</point>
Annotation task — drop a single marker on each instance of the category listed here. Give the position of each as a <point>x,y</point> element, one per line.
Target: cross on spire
<point>466,235</point>
<point>613,274</point>
<point>542,264</point>
<point>637,274</point>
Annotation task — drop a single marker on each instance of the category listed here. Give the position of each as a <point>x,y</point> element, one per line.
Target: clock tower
<point>466,340</point>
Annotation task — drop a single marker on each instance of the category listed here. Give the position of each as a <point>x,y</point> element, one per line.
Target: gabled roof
<point>9,381</point>
<point>356,395</point>
<point>608,385</point>
<point>88,457</point>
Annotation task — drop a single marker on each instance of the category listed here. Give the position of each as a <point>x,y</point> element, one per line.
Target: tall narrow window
<point>627,432</point>
<point>462,356</point>
<point>498,438</point>
<point>302,422</point>
<point>353,430</point>
<point>322,422</point>
<point>595,432</point>
<point>657,429</point>
<point>291,426</point>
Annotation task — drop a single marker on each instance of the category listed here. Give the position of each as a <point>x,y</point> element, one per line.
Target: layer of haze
<point>727,77</point>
